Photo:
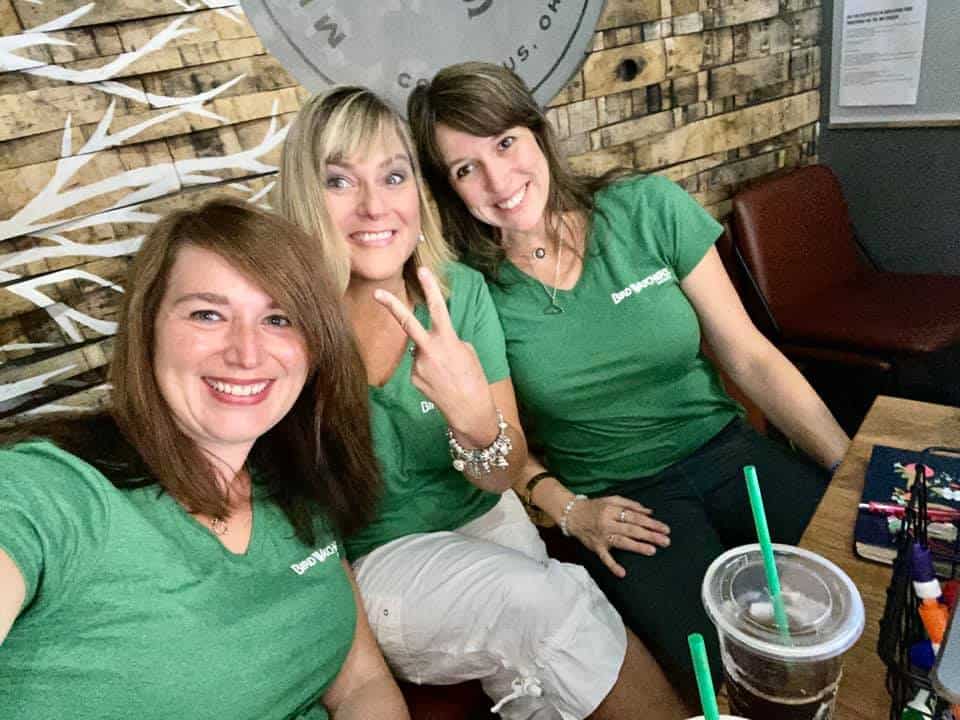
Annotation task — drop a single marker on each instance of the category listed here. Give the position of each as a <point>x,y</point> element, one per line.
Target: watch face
<point>390,45</point>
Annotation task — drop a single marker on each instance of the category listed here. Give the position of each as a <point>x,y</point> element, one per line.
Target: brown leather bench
<point>824,299</point>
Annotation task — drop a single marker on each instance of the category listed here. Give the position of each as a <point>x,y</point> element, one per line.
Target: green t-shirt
<point>616,387</point>
<point>422,491</point>
<point>134,610</point>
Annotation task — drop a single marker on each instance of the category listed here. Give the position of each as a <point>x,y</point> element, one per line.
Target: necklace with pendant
<point>552,308</point>
<point>219,526</point>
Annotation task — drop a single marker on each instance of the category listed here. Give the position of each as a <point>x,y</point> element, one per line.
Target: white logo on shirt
<point>658,278</point>
<point>317,556</point>
<point>426,406</point>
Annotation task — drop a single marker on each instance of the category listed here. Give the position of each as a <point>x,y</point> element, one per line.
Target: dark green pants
<point>704,501</point>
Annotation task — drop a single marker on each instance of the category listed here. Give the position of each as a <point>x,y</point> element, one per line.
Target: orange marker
<point>932,612</point>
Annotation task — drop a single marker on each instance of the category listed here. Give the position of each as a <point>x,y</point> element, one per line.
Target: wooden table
<point>900,423</point>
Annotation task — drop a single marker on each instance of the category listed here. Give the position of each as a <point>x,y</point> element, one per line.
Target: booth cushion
<point>881,312</point>
<point>795,238</point>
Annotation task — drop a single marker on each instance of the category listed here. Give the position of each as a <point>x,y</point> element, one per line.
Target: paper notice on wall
<point>881,51</point>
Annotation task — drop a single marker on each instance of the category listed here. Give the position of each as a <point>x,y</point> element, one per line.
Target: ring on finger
<point>412,348</point>
<point>611,539</point>
<point>623,515</point>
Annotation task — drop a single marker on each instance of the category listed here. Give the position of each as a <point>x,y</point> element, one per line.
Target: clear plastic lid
<point>823,605</point>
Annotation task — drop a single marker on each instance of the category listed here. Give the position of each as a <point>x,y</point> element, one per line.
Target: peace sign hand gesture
<point>445,368</point>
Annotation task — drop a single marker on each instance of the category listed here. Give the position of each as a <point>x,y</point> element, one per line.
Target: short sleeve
<point>688,230</point>
<point>52,514</point>
<point>476,320</point>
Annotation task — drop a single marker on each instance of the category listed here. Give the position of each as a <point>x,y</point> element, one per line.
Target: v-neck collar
<point>403,368</point>
<point>520,275</point>
<point>203,534</point>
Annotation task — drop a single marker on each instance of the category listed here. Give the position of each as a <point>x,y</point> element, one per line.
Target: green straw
<point>766,549</point>
<point>701,667</point>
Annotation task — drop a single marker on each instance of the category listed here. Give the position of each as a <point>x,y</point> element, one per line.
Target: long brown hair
<point>484,99</point>
<point>318,457</point>
<point>334,126</point>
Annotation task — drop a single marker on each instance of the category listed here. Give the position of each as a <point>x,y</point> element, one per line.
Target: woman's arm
<point>13,590</point>
<point>448,372</point>
<point>758,368</point>
<point>364,688</point>
<point>499,480</point>
<point>601,523</point>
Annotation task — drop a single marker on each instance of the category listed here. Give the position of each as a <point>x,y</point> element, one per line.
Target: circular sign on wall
<point>390,45</point>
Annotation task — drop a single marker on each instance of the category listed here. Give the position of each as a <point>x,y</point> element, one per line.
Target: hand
<point>611,522</point>
<point>446,369</point>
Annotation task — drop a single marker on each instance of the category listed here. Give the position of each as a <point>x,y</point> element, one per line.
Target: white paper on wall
<point>881,51</point>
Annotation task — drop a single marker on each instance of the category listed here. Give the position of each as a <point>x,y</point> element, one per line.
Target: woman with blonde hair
<point>455,578</point>
<point>606,288</point>
<point>153,558</point>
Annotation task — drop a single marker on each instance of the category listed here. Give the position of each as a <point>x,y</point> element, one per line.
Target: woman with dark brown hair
<point>605,288</point>
<point>179,555</point>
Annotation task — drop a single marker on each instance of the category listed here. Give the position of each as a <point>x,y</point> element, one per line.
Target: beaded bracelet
<point>566,513</point>
<point>477,462</point>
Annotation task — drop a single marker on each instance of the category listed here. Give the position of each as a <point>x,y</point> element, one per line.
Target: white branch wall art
<point>114,112</point>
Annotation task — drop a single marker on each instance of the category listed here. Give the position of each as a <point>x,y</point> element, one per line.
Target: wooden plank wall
<point>112,113</point>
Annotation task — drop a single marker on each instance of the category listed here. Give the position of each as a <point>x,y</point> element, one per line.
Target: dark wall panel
<point>903,185</point>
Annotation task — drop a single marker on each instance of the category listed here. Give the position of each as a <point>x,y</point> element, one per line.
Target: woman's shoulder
<point>72,458</point>
<point>45,481</point>
<point>467,287</point>
<point>461,276</point>
<point>641,189</point>
<point>469,303</point>
<point>651,202</point>
<point>39,453</point>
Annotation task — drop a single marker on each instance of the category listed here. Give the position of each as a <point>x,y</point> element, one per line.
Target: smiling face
<point>504,179</point>
<point>374,203</point>
<point>227,360</point>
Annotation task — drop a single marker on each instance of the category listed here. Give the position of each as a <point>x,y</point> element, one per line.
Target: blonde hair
<point>330,128</point>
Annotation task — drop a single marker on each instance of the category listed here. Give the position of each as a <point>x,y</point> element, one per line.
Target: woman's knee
<point>544,592</point>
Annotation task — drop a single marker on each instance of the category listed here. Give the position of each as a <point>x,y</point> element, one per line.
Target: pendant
<point>552,309</point>
<point>219,526</point>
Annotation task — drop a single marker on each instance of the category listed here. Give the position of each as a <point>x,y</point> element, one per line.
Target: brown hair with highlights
<point>317,459</point>
<point>484,99</point>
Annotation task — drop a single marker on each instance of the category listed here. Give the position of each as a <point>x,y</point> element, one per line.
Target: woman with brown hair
<point>605,288</point>
<point>179,555</point>
<point>456,581</point>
